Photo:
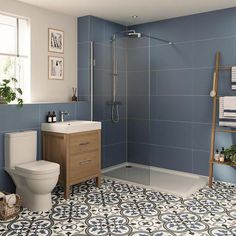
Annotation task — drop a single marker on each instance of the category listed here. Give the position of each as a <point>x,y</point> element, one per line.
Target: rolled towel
<point>10,200</point>
<point>2,195</point>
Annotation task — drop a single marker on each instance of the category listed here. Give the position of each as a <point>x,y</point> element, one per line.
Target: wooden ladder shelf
<point>214,113</point>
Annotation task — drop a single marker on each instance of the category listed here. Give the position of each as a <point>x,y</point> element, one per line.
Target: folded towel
<point>229,106</point>
<point>229,121</point>
<point>233,77</point>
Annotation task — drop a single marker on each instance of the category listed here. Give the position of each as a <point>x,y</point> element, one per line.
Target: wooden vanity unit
<point>79,156</point>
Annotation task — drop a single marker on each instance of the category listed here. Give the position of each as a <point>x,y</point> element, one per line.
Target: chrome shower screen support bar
<point>91,79</point>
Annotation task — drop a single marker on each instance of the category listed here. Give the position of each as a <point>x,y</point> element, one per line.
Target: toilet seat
<point>38,168</point>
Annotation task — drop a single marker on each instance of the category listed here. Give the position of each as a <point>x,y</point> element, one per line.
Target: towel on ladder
<point>233,77</point>
<point>227,111</point>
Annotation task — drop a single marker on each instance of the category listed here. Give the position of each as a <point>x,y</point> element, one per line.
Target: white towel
<point>233,77</point>
<point>229,106</point>
<point>225,120</point>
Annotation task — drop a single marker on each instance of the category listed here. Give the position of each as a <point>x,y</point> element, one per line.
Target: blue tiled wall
<point>100,32</point>
<point>30,117</point>
<point>177,130</point>
<point>166,109</point>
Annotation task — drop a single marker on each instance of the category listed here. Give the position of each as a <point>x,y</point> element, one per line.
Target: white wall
<point>43,89</point>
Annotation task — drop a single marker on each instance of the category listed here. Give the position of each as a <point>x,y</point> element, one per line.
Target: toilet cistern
<point>63,114</point>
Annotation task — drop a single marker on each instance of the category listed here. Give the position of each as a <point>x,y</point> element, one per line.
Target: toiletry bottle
<point>222,155</point>
<point>217,155</point>
<point>54,117</point>
<point>49,117</point>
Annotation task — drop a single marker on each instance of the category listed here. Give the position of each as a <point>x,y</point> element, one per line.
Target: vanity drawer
<point>84,142</point>
<point>83,165</point>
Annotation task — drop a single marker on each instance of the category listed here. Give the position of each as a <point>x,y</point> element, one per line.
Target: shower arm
<point>159,39</point>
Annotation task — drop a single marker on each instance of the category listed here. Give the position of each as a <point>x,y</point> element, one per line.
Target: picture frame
<point>55,40</point>
<point>55,68</point>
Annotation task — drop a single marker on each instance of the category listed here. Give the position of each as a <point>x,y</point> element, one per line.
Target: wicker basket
<point>6,211</point>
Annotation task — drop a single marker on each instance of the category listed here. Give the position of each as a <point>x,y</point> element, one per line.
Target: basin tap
<point>64,113</point>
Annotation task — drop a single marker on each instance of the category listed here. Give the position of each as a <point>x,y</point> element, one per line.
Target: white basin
<point>69,127</point>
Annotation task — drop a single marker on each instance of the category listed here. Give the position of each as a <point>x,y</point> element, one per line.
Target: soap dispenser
<point>54,117</point>
<point>49,117</point>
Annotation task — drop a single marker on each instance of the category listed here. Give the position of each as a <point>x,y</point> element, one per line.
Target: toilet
<point>34,179</point>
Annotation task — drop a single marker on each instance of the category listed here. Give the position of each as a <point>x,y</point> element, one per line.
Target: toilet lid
<point>38,167</point>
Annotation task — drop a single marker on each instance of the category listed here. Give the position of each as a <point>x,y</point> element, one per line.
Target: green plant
<point>9,92</point>
<point>230,154</point>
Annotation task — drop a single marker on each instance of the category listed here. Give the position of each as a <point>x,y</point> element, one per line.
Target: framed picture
<point>55,68</point>
<point>55,40</point>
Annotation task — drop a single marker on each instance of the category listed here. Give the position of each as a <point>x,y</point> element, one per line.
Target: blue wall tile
<point>97,27</point>
<point>138,107</point>
<point>83,55</point>
<point>202,109</point>
<point>201,136</point>
<point>69,107</point>
<point>172,82</point>
<point>83,29</point>
<point>201,162</point>
<point>6,183</point>
<point>204,52</point>
<point>15,118</point>
<point>214,24</point>
<point>113,132</point>
<point>175,108</point>
<point>172,56</point>
<point>171,158</point>
<point>138,153</point>
<point>113,154</point>
<point>138,59</point>
<point>138,83</point>
<point>83,83</point>
<point>171,134</point>
<point>225,173</point>
<point>138,131</point>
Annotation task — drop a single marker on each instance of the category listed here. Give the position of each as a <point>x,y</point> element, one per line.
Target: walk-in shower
<point>127,100</point>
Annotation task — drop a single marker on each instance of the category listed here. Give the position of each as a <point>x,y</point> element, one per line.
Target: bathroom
<point>164,117</point>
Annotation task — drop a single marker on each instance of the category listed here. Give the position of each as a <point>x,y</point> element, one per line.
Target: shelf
<point>228,163</point>
<point>226,130</point>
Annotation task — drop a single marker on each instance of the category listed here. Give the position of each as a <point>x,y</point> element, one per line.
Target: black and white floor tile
<point>122,209</point>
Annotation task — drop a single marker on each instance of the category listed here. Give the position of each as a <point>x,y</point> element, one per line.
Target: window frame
<point>25,55</point>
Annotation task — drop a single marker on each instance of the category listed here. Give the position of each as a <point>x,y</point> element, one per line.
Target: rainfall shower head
<point>134,35</point>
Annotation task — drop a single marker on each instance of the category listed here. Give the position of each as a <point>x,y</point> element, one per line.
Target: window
<point>14,51</point>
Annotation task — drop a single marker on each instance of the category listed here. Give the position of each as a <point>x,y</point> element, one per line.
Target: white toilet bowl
<point>34,183</point>
<point>34,180</point>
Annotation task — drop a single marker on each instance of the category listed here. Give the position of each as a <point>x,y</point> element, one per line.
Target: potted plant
<point>9,92</point>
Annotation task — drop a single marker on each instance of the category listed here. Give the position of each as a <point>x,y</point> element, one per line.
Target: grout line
<point>169,146</point>
<point>169,121</point>
<point>113,144</point>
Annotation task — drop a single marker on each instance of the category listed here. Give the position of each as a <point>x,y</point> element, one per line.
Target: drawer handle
<point>85,162</point>
<point>83,144</point>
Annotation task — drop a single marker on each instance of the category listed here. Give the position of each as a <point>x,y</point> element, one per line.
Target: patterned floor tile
<point>122,209</point>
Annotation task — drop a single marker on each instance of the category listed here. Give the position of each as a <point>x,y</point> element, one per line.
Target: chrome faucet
<point>63,114</point>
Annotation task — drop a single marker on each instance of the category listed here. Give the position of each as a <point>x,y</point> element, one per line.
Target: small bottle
<point>222,155</point>
<point>49,117</point>
<point>217,155</point>
<point>54,117</point>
